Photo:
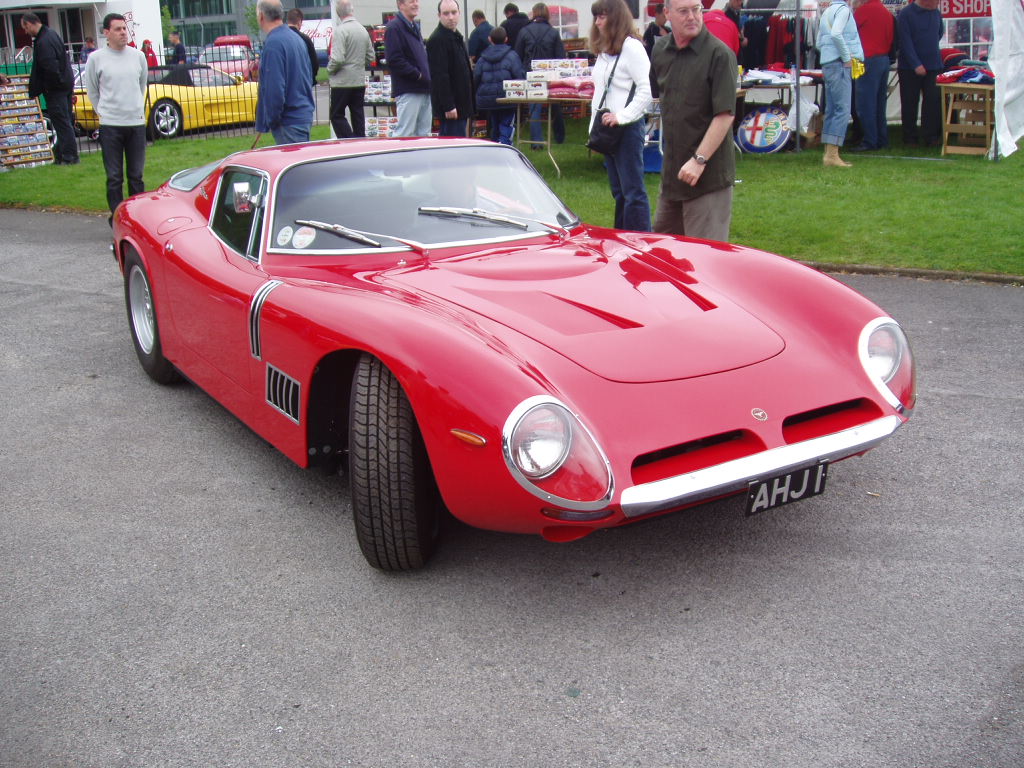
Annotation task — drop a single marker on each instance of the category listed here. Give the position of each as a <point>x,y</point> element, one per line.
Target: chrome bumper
<point>733,476</point>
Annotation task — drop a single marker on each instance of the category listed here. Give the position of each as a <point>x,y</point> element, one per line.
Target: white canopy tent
<point>1007,63</point>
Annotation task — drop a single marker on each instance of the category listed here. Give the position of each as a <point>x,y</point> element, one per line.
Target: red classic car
<point>429,314</point>
<point>233,54</point>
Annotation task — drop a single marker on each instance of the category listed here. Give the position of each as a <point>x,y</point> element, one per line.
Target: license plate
<point>763,495</point>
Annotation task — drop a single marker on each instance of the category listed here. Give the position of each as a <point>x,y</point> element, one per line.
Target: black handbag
<point>605,138</point>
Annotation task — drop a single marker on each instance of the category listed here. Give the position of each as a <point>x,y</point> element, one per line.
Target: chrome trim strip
<point>255,312</point>
<point>732,476</point>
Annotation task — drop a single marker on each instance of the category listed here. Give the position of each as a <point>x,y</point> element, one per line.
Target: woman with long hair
<point>623,70</point>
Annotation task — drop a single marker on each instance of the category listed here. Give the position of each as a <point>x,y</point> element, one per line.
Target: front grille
<point>828,420</point>
<point>696,454</point>
<point>283,393</point>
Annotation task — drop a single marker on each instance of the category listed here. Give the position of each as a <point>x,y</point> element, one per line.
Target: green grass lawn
<point>902,208</point>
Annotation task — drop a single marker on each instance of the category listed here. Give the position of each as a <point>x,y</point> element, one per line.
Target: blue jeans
<point>838,89</point>
<point>537,125</point>
<point>123,147</point>
<point>626,177</point>
<point>500,125</point>
<point>414,114</point>
<point>290,134</point>
<point>872,92</point>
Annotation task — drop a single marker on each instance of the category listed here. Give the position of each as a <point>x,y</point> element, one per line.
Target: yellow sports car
<point>182,98</point>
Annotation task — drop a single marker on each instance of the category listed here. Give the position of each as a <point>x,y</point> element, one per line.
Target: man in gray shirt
<point>351,55</point>
<point>115,80</point>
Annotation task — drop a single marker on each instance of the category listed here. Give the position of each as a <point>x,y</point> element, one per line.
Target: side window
<point>238,217</point>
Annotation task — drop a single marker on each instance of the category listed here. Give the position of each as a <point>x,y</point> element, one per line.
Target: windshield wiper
<point>472,213</point>
<point>338,229</point>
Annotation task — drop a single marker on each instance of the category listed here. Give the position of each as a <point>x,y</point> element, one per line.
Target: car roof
<point>277,158</point>
<point>242,40</point>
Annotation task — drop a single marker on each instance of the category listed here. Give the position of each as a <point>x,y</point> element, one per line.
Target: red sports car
<point>428,313</point>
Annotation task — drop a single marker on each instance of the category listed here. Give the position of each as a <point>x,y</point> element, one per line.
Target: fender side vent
<point>255,314</point>
<point>283,392</point>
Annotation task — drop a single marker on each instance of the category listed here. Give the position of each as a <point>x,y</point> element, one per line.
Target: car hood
<point>624,315</point>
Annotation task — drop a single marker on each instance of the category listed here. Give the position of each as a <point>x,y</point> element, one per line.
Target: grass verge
<point>905,207</point>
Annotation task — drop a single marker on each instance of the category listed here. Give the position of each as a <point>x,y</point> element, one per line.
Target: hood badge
<point>760,414</point>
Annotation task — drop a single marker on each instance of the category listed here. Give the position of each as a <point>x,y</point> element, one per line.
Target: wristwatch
<point>701,160</point>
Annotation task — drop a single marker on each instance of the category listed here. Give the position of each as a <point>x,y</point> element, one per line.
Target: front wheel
<point>165,121</point>
<point>395,503</point>
<point>138,298</point>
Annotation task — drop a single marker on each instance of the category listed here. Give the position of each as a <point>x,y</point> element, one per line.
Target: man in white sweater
<point>115,80</point>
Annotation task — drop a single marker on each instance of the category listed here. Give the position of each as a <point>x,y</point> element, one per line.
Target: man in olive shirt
<point>696,75</point>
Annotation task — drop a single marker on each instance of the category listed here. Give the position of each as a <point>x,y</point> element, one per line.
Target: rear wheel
<point>142,320</point>
<point>165,121</point>
<point>395,502</point>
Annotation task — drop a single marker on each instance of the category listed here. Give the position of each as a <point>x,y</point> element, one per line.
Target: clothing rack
<point>786,8</point>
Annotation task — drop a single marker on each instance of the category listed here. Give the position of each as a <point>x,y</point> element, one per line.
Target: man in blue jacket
<point>285,104</point>
<point>919,28</point>
<point>410,71</point>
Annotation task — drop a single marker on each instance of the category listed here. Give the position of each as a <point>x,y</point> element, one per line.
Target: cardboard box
<point>513,85</point>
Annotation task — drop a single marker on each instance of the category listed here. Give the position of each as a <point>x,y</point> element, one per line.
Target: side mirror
<point>243,200</point>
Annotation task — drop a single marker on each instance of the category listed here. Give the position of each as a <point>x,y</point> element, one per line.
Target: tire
<point>138,298</point>
<point>395,503</point>
<point>165,120</point>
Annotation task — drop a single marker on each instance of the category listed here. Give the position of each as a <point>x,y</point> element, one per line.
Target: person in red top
<point>722,27</point>
<point>876,26</point>
<point>147,48</point>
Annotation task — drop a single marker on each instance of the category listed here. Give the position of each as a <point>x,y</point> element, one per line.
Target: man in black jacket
<point>539,40</point>
<point>451,78</point>
<point>514,21</point>
<point>295,18</point>
<point>51,77</point>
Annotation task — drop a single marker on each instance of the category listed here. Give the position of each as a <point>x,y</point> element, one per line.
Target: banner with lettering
<point>965,9</point>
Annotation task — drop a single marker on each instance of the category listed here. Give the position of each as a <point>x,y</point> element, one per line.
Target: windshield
<point>224,53</point>
<point>189,179</point>
<point>211,78</point>
<point>382,195</point>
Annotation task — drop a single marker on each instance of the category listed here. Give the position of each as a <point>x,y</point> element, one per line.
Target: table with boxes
<point>565,82</point>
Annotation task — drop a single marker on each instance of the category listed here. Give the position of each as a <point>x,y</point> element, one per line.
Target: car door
<point>212,276</point>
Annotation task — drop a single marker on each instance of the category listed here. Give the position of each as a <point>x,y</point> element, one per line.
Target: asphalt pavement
<point>174,592</point>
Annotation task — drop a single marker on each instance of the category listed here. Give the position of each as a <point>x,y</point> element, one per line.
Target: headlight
<point>541,440</point>
<point>552,455</point>
<point>885,355</point>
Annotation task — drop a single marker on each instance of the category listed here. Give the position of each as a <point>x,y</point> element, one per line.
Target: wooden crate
<point>967,119</point>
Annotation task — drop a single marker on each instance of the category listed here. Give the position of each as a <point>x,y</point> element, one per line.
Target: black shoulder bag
<point>605,138</point>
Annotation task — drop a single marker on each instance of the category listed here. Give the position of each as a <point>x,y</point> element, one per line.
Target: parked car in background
<point>233,54</point>
<point>182,98</point>
<point>428,312</point>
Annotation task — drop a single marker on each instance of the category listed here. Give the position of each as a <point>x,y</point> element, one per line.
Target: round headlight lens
<point>541,440</point>
<point>885,351</point>
<point>886,357</point>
